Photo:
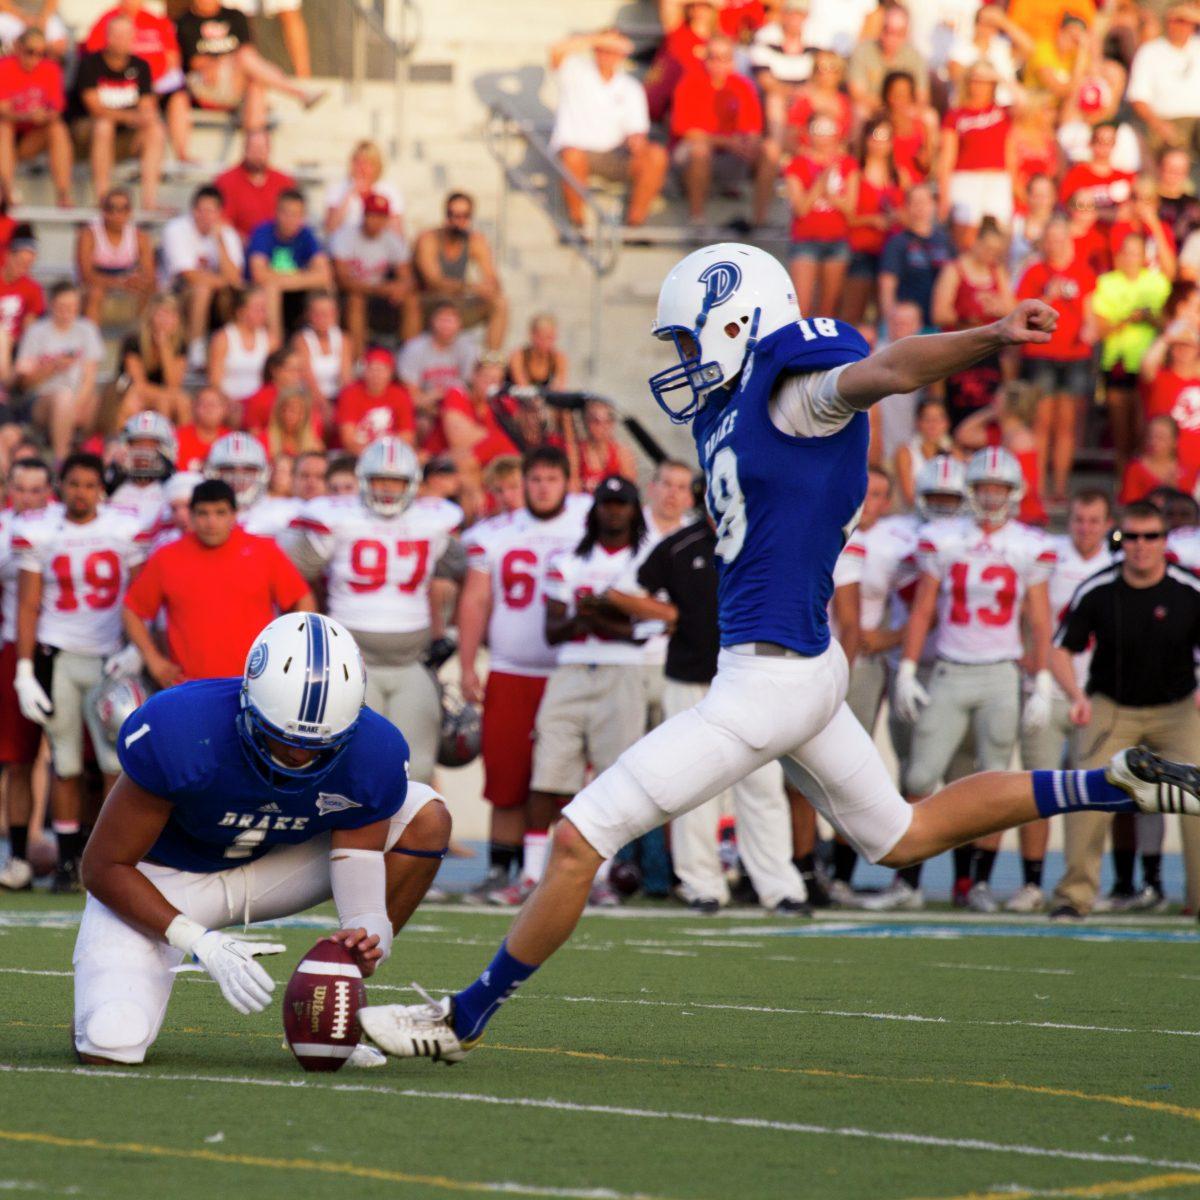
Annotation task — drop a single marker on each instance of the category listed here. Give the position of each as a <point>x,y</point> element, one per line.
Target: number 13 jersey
<point>985,576</point>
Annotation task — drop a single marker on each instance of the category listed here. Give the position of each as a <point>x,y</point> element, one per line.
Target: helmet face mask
<point>941,488</point>
<point>388,476</point>
<point>998,502</point>
<point>151,446</point>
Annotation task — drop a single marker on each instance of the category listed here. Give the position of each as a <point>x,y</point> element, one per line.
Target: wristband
<point>183,933</point>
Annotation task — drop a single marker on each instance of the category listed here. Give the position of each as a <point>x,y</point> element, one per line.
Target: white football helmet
<point>388,458</point>
<point>151,446</point>
<point>995,465</point>
<point>941,486</point>
<point>241,462</point>
<point>304,685</point>
<point>116,700</point>
<point>714,307</point>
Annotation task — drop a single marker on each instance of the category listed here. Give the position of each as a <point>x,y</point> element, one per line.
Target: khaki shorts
<point>589,716</point>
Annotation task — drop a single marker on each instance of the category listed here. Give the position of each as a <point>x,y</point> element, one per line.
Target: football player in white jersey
<point>75,566</point>
<point>150,450</point>
<point>380,551</point>
<point>241,462</point>
<point>979,575</point>
<point>502,603</point>
<point>28,491</point>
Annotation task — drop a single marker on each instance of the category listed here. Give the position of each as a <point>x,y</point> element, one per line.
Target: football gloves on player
<point>229,961</point>
<point>36,706</point>
<point>1039,703</point>
<point>127,661</point>
<point>908,695</point>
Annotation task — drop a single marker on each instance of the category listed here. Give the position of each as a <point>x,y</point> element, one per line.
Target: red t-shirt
<point>873,200</point>
<point>1139,481</point>
<point>216,600</point>
<point>28,91</point>
<point>823,222</point>
<point>20,301</point>
<point>153,39</point>
<point>1179,397</point>
<point>193,449</point>
<point>376,416</point>
<point>741,19</point>
<point>1120,230</point>
<point>982,135</point>
<point>699,106</point>
<point>1105,191</point>
<point>684,47</point>
<point>495,442</point>
<point>1065,291</point>
<point>249,204</point>
<point>1092,248</point>
<point>906,150</point>
<point>801,112</point>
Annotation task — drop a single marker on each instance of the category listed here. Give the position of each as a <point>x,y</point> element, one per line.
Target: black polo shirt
<point>682,568</point>
<point>1144,638</point>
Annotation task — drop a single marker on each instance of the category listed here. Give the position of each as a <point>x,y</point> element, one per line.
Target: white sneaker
<point>16,875</point>
<point>366,1057</point>
<point>843,895</point>
<point>897,897</point>
<point>415,1030</point>
<point>1029,899</point>
<point>981,900</point>
<point>1156,784</point>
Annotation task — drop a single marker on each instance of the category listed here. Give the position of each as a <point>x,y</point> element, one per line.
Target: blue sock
<point>1057,792</point>
<point>475,1005</point>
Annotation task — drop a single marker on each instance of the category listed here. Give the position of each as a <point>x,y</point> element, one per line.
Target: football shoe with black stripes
<point>1156,784</point>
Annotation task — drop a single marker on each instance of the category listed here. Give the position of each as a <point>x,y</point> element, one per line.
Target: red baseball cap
<point>376,205</point>
<point>377,354</point>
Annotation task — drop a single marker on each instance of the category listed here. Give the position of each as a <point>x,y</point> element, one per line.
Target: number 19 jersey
<point>985,576</point>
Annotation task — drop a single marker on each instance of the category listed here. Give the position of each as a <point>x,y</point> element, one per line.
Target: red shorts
<point>510,705</point>
<point>19,737</point>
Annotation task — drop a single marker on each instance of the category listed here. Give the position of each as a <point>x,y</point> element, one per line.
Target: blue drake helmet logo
<point>258,661</point>
<point>721,280</point>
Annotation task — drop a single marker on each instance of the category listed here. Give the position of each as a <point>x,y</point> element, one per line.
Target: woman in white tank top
<point>239,350</point>
<point>112,255</point>
<point>931,437</point>
<point>324,351</point>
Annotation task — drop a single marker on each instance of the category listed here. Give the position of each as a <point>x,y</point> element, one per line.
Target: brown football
<point>320,1007</point>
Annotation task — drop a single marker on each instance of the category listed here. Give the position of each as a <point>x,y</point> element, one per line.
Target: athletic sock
<point>1031,868</point>
<point>1057,792</point>
<point>963,857</point>
<point>982,863</point>
<point>1123,862</point>
<point>474,1006</point>
<point>844,858</point>
<point>911,876</point>
<point>502,855</point>
<point>18,840</point>
<point>1152,871</point>
<point>536,844</point>
<point>803,862</point>
<point>70,842</point>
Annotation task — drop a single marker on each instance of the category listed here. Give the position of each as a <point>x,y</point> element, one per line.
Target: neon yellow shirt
<point>1115,298</point>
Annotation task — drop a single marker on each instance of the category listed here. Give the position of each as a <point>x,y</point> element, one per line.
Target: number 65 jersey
<point>985,576</point>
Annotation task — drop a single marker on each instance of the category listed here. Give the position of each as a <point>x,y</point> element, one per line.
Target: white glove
<point>908,695</point>
<point>36,706</point>
<point>229,960</point>
<point>127,661</point>
<point>1038,704</point>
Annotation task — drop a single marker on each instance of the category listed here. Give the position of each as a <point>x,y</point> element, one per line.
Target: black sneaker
<point>704,906</point>
<point>66,879</point>
<point>818,893</point>
<point>1065,912</point>
<point>787,907</point>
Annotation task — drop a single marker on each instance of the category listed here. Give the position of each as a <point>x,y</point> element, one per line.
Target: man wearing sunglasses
<point>1142,617</point>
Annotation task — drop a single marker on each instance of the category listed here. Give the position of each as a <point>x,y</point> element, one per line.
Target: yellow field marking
<point>1094,1191</point>
<point>292,1164</point>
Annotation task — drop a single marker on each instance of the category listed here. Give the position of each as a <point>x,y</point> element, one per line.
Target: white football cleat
<point>415,1030</point>
<point>366,1057</point>
<point>981,900</point>
<point>1029,899</point>
<point>897,897</point>
<point>1156,784</point>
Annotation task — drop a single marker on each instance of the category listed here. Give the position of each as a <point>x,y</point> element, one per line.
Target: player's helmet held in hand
<point>997,466</point>
<point>941,487</point>
<point>304,686</point>
<point>241,462</point>
<point>388,476</point>
<point>116,700</point>
<point>461,738</point>
<point>714,306</point>
<point>151,446</point>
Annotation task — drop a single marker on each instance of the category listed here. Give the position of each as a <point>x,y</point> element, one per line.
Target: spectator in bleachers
<point>1126,305</point>
<point>539,363</point>
<point>1162,82</point>
<point>326,358</point>
<point>251,189</point>
<point>345,200</point>
<point>1041,203</point>
<point>913,257</point>
<point>602,122</point>
<point>1096,176</point>
<point>119,113</point>
<point>472,425</point>
<point>1087,235</point>
<point>32,103</point>
<point>1178,205</point>
<point>292,29</point>
<point>1171,386</point>
<point>717,127</point>
<point>877,203</point>
<point>1139,215</point>
<point>210,411</point>
<point>455,262</point>
<point>930,437</point>
<point>874,59</point>
<point>224,70</point>
<point>154,41</point>
<point>372,267</point>
<point>1041,19</point>
<point>203,261</point>
<point>914,128</point>
<point>976,163</point>
<point>1035,149</point>
<point>822,186</point>
<point>57,361</point>
<point>282,375</point>
<point>1061,368</point>
<point>290,429</point>
<point>1157,464</point>
<point>285,258</point>
<point>114,258</point>
<point>822,95</point>
<point>21,297</point>
<point>153,363</point>
<point>600,452</point>
<point>375,405</point>
<point>238,351</point>
<point>308,475</point>
<point>340,479</point>
<point>994,39</point>
<point>687,28</point>
<point>281,476</point>
<point>781,61</point>
<point>1056,66</point>
<point>1099,99</point>
<point>16,19</point>
<point>438,359</point>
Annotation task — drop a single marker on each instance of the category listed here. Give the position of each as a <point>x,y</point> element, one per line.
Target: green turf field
<point>663,1056</point>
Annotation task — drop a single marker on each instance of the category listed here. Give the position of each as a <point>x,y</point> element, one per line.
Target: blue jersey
<point>183,745</point>
<point>783,505</point>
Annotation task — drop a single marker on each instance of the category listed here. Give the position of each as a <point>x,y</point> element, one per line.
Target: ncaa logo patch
<point>256,664</point>
<point>720,280</point>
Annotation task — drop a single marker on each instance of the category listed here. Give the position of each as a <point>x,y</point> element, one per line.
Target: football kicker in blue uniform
<point>779,403</point>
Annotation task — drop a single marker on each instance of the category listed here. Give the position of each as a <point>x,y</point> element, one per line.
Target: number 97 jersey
<point>984,576</point>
